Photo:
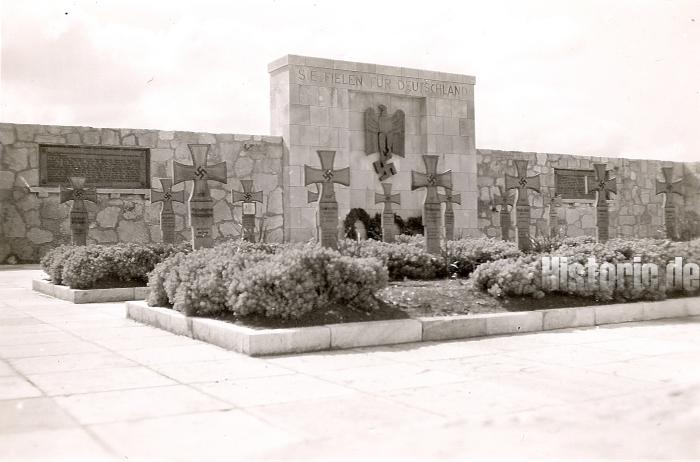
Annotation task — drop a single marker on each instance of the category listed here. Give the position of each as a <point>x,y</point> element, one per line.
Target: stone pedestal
<point>431,221</point>
<point>522,227</point>
<point>78,223</point>
<point>603,222</point>
<point>77,193</point>
<point>670,220</point>
<point>248,222</point>
<point>506,223</point>
<point>202,221</point>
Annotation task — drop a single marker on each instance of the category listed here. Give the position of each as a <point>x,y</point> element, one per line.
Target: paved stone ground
<point>83,382</point>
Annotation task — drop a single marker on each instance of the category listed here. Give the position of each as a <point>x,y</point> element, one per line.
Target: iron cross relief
<point>167,196</point>
<point>668,186</point>
<point>77,191</point>
<point>247,196</point>
<point>431,180</point>
<point>505,199</point>
<point>448,198</point>
<point>387,198</point>
<point>604,184</point>
<point>200,172</point>
<point>385,135</point>
<point>326,176</point>
<point>522,182</point>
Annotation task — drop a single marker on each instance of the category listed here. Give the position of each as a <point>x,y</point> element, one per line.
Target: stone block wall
<point>636,211</point>
<point>33,221</point>
<point>319,104</point>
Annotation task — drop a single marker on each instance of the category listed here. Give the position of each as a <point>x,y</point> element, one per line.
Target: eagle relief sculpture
<point>384,134</point>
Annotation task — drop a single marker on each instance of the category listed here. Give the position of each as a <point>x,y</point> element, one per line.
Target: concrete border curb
<point>118,294</point>
<point>261,342</point>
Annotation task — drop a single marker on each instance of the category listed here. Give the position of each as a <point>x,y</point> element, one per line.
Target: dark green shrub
<point>412,226</point>
<point>403,259</point>
<point>193,284</point>
<point>85,267</point>
<point>52,262</point>
<point>464,255</point>
<point>164,275</point>
<point>303,279</point>
<point>372,225</point>
<point>204,279</point>
<point>523,275</point>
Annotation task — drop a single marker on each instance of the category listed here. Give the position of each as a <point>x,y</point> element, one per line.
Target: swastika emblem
<point>328,175</point>
<point>201,172</point>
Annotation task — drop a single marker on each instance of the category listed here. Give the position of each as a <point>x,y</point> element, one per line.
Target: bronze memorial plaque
<point>101,166</point>
<point>571,184</point>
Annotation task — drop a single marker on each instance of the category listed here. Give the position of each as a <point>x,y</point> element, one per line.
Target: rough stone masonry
<point>316,104</point>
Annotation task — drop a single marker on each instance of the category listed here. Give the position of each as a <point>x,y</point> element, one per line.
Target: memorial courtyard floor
<point>83,382</point>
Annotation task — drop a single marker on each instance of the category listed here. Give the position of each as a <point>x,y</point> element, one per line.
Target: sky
<point>611,78</point>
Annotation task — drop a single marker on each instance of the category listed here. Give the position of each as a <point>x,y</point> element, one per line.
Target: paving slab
<point>69,390</point>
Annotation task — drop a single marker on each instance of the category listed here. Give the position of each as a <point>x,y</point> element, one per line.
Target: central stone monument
<point>380,120</point>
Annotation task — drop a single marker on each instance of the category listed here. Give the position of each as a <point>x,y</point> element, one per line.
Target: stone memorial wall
<point>34,221</point>
<point>635,212</point>
<point>378,120</point>
<point>319,104</point>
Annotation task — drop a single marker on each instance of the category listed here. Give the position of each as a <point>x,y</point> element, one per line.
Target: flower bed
<point>287,285</point>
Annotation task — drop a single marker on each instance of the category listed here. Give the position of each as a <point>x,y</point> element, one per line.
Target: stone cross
<point>201,203</point>
<point>431,180</point>
<point>604,186</point>
<point>327,204</point>
<point>77,193</point>
<point>448,198</point>
<point>248,198</point>
<point>522,183</point>
<point>668,187</point>
<point>388,224</point>
<point>554,203</point>
<point>167,215</point>
<point>504,214</point>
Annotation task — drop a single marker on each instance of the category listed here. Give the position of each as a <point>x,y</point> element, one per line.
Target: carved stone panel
<point>102,167</point>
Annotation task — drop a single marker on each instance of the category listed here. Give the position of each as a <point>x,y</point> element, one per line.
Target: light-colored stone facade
<point>33,220</point>
<point>636,211</point>
<point>319,104</point>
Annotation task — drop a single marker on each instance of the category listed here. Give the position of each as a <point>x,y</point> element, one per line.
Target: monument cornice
<point>367,68</point>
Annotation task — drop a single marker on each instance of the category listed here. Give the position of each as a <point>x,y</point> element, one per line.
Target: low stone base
<point>118,294</point>
<point>261,342</point>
